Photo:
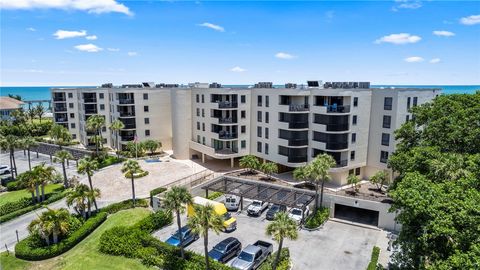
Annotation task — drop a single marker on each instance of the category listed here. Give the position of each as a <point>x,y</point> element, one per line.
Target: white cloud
<point>90,6</point>
<point>407,4</point>
<point>113,49</point>
<point>402,38</point>
<point>435,61</point>
<point>443,33</point>
<point>283,55</point>
<point>92,37</point>
<point>132,53</point>
<point>414,59</point>
<point>88,48</point>
<point>63,34</point>
<point>31,29</point>
<point>213,26</point>
<point>470,20</point>
<point>238,69</point>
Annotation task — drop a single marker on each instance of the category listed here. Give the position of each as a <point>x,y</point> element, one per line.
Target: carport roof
<point>257,190</point>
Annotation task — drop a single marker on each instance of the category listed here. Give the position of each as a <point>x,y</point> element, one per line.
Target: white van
<point>232,202</point>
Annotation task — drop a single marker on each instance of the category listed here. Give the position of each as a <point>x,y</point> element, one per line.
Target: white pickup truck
<point>257,208</point>
<point>297,214</point>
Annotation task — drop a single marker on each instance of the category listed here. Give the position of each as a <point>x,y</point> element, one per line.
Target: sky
<point>89,42</point>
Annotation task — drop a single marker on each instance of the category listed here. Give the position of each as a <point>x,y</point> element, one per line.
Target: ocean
<point>43,92</point>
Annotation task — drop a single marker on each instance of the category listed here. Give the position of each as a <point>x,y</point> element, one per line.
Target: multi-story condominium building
<point>288,125</point>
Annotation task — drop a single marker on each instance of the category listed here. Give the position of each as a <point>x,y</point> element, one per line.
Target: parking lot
<point>335,246</point>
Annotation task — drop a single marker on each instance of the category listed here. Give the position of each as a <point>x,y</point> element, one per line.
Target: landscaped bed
<point>315,221</point>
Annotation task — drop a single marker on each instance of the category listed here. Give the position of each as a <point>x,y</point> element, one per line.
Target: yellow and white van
<point>229,222</point>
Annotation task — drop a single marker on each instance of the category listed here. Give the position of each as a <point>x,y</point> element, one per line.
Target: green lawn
<point>11,263</point>
<point>16,195</point>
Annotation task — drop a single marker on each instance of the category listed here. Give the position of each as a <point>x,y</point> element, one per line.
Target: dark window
<point>102,107</point>
<point>352,155</point>
<point>147,132</point>
<point>357,171</point>
<point>415,100</point>
<point>383,156</point>
<point>407,118</point>
<point>74,136</point>
<point>145,96</point>
<point>354,137</point>
<point>104,129</point>
<point>203,140</point>
<point>355,101</point>
<point>70,105</point>
<point>387,119</point>
<point>243,114</point>
<point>259,116</point>
<point>72,115</point>
<point>267,117</point>
<point>70,95</point>
<point>350,172</point>
<point>198,100</point>
<point>203,126</point>
<point>387,103</point>
<point>354,120</point>
<point>266,148</point>
<point>243,99</point>
<point>259,101</point>
<point>243,129</point>
<point>243,144</point>
<point>203,112</point>
<point>72,125</point>
<point>147,121</point>
<point>267,101</point>
<point>198,125</point>
<point>198,112</point>
<point>259,132</point>
<point>408,103</point>
<point>259,147</point>
<point>100,95</point>
<point>145,108</point>
<point>266,133</point>
<point>198,138</point>
<point>203,98</point>
<point>385,139</point>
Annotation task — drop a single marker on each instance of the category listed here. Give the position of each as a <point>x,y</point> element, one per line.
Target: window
<point>415,100</point>
<point>74,136</point>
<point>383,156</point>
<point>198,138</point>
<point>203,126</point>
<point>147,120</point>
<point>198,112</point>
<point>266,148</point>
<point>350,172</point>
<point>203,140</point>
<point>408,103</point>
<point>104,129</point>
<point>203,98</point>
<point>243,144</point>
<point>70,95</point>
<point>145,108</point>
<point>352,155</point>
<point>387,103</point>
<point>259,101</point>
<point>355,101</point>
<point>198,125</point>
<point>72,115</point>
<point>145,96</point>
<point>266,133</point>
<point>198,101</point>
<point>203,112</point>
<point>387,119</point>
<point>354,120</point>
<point>267,101</point>
<point>102,107</point>
<point>267,117</point>
<point>243,129</point>
<point>259,116</point>
<point>243,99</point>
<point>357,171</point>
<point>243,114</point>
<point>100,95</point>
<point>259,132</point>
<point>259,147</point>
<point>70,105</point>
<point>147,132</point>
<point>72,125</point>
<point>407,118</point>
<point>354,137</point>
<point>385,139</point>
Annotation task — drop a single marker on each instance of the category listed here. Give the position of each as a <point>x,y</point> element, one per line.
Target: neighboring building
<point>287,125</point>
<point>7,106</point>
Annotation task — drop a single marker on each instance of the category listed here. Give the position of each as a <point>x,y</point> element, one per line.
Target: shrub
<point>374,259</point>
<point>14,206</point>
<point>314,221</point>
<point>123,205</point>
<point>14,185</point>
<point>109,160</point>
<point>154,221</point>
<point>122,241</point>
<point>283,264</point>
<point>137,175</point>
<point>28,249</point>
<point>214,195</point>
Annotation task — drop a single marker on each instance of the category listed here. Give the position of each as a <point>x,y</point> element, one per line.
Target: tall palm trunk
<point>43,192</point>
<point>91,188</point>
<point>65,180</point>
<point>38,192</point>
<point>12,152</point>
<point>11,166</point>
<point>316,198</point>
<point>47,239</point>
<point>29,161</point>
<point>89,205</point>
<point>179,223</point>
<point>205,246</point>
<point>33,196</point>
<point>55,237</point>
<point>133,191</point>
<point>118,144</point>
<point>277,258</point>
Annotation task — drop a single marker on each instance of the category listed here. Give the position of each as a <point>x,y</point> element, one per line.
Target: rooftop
<point>8,103</point>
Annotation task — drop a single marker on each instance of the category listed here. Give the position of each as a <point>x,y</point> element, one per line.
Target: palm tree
<point>31,113</point>
<point>40,111</point>
<point>131,167</point>
<point>151,145</point>
<point>88,166</point>
<point>205,218</point>
<point>10,143</point>
<point>379,179</point>
<point>92,195</point>
<point>353,180</point>
<point>78,198</point>
<point>96,123</point>
<point>280,228</point>
<point>269,168</point>
<point>62,156</point>
<point>116,126</point>
<point>301,173</point>
<point>51,222</point>
<point>44,174</point>
<point>27,143</point>
<point>249,162</point>
<point>318,172</point>
<point>60,134</point>
<point>27,180</point>
<point>175,200</point>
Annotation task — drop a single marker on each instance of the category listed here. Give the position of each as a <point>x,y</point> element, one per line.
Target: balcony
<point>89,100</point>
<point>298,107</point>
<point>297,125</point>
<point>227,121</point>
<point>297,159</point>
<point>227,104</point>
<point>297,142</point>
<point>338,109</point>
<point>341,163</point>
<point>59,98</point>
<point>61,119</point>
<point>226,151</point>
<point>337,127</point>
<point>127,138</point>
<point>60,108</point>
<point>227,136</point>
<point>336,145</point>
<point>91,111</point>
<point>126,101</point>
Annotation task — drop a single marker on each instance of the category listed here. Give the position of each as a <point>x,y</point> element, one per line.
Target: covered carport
<point>257,190</point>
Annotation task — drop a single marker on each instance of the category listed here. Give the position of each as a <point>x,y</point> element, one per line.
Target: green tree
<point>280,228</point>
<point>250,162</point>
<point>379,179</point>
<point>51,223</point>
<point>269,168</point>
<point>27,181</point>
<point>10,143</point>
<point>88,166</point>
<point>44,175</point>
<point>27,143</point>
<point>62,157</point>
<point>60,134</point>
<point>205,219</point>
<point>96,123</point>
<point>31,113</point>
<point>92,196</point>
<point>301,173</point>
<point>77,198</point>
<point>175,201</point>
<point>116,126</point>
<point>318,173</point>
<point>152,145</point>
<point>136,149</point>
<point>131,167</point>
<point>40,111</point>
<point>353,180</point>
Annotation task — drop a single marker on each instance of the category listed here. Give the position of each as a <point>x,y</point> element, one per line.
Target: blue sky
<point>73,42</point>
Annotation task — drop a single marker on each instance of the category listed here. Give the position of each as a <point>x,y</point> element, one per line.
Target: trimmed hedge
<point>283,264</point>
<point>154,221</point>
<point>109,160</point>
<point>14,185</point>
<point>27,249</point>
<point>124,205</point>
<point>214,195</point>
<point>14,206</point>
<point>374,259</point>
<point>137,175</point>
<point>53,197</point>
<point>314,221</point>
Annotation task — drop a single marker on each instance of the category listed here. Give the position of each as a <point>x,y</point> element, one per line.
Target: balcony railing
<point>297,125</point>
<point>297,159</point>
<point>91,111</point>
<point>341,163</point>
<point>226,121</point>
<point>227,104</point>
<point>227,136</point>
<point>298,107</point>
<point>127,138</point>
<point>59,98</point>
<point>126,101</point>
<point>89,100</point>
<point>337,127</point>
<point>127,114</point>
<point>130,126</point>
<point>226,151</point>
<point>336,145</point>
<point>297,142</point>
<point>61,119</point>
<point>338,109</point>
<point>60,108</point>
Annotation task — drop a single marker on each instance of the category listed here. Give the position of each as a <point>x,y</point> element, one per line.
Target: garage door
<point>356,214</point>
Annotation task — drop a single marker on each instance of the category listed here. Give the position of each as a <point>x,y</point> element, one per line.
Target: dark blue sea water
<point>37,93</point>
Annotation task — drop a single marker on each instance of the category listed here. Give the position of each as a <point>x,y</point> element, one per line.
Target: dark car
<point>274,209</point>
<point>226,250</point>
<point>188,237</point>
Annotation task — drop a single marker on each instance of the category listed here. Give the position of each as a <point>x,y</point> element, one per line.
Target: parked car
<point>229,222</point>
<point>253,256</point>
<point>4,169</point>
<point>188,237</point>
<point>232,202</point>
<point>274,209</point>
<point>226,250</point>
<point>257,208</point>
<point>298,214</point>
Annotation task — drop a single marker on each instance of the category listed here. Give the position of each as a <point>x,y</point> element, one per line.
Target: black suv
<point>274,209</point>
<point>226,250</point>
